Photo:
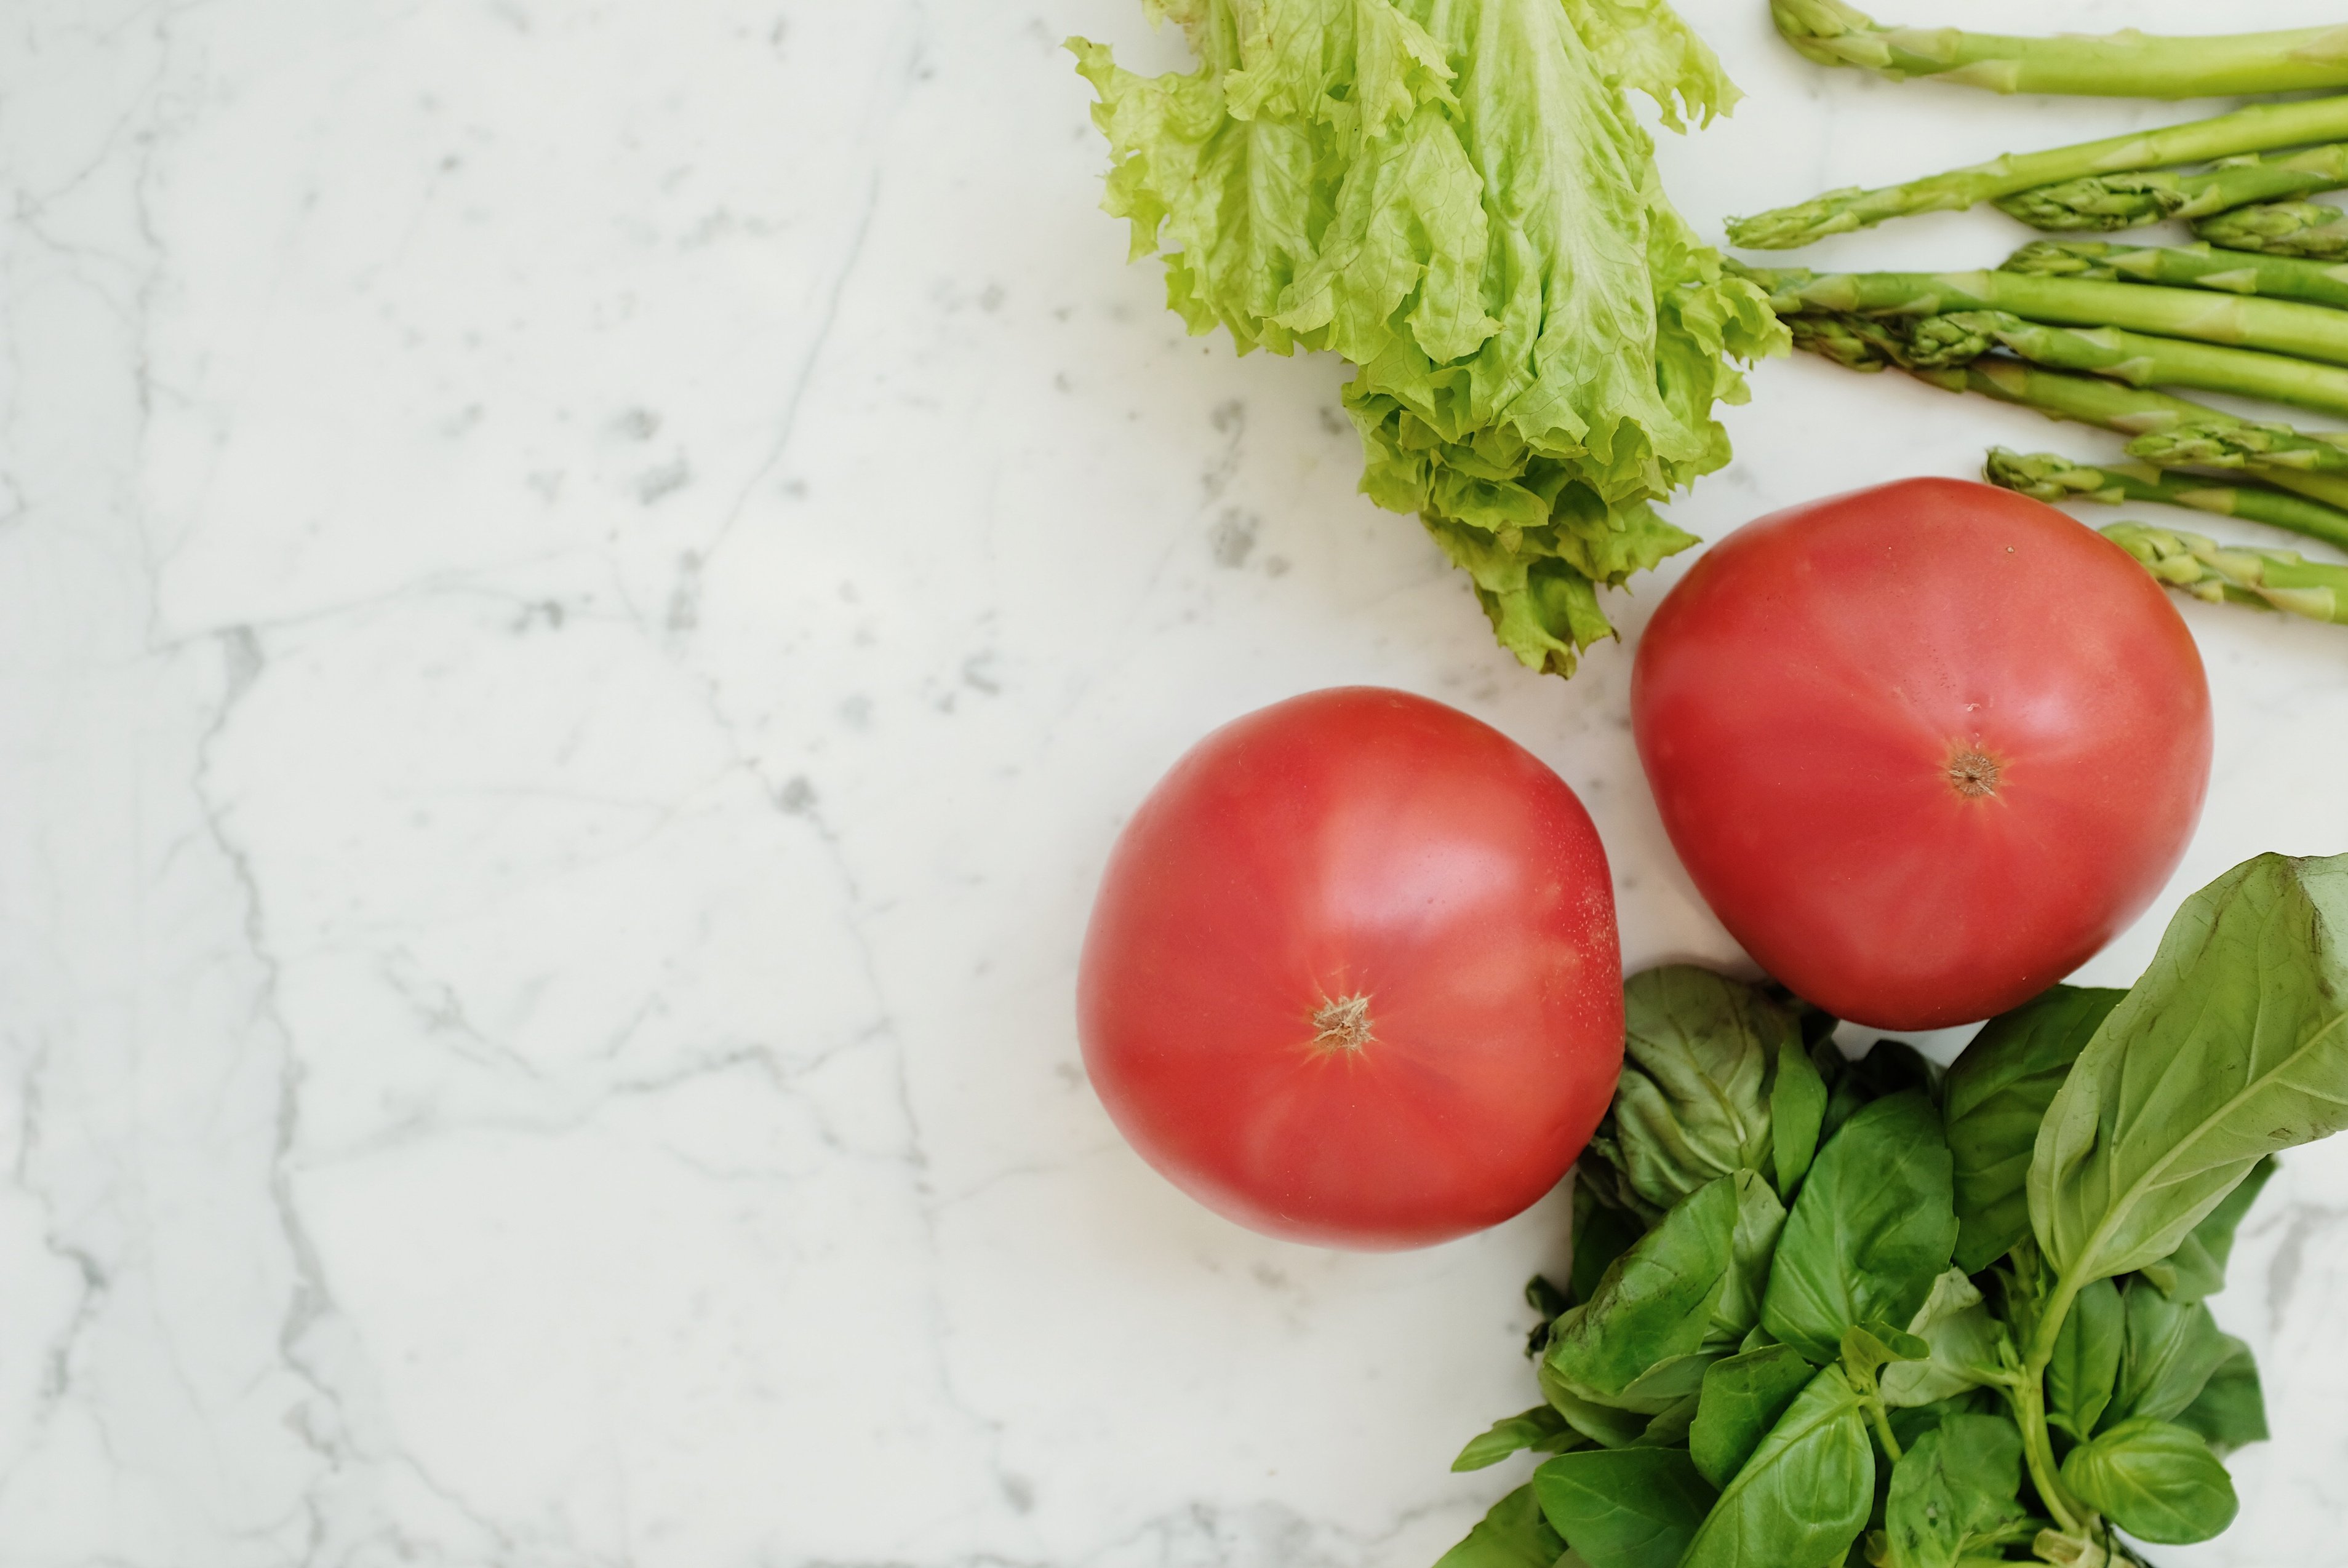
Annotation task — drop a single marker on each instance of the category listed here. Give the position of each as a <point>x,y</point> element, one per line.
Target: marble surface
<point>583,588</point>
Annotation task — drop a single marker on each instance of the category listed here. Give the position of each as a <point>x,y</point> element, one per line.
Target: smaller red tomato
<point>1353,977</point>
<point>1923,748</point>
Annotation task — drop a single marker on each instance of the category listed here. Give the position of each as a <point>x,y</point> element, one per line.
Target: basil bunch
<point>1825,1311</point>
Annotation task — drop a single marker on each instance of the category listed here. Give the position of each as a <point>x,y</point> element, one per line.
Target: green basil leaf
<point>2189,1273</point>
<point>1797,1111</point>
<point>2197,1269</point>
<point>1760,1220</point>
<point>2086,1362</point>
<point>1605,1423</point>
<point>1668,1430</point>
<point>1638,1412</point>
<point>2232,1046</point>
<point>1693,1105</point>
<point>1994,1098</point>
<point>1514,1534</point>
<point>1911,1422</point>
<point>1872,1230</point>
<point>1743,1397</point>
<point>1869,1348</point>
<point>1961,1337</point>
<point>1954,1493</point>
<point>1655,1302</point>
<point>1602,1233</point>
<point>1803,1495</point>
<point>2168,1353</point>
<point>1624,1508</point>
<point>1599,1170</point>
<point>1540,1429</point>
<point>2232,1409</point>
<point>1665,1384</point>
<point>2158,1482</point>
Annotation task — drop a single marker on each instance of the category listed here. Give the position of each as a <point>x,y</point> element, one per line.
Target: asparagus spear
<point>2193,266</point>
<point>2310,332</point>
<point>2271,580</point>
<point>1958,336</point>
<point>2205,444</point>
<point>2082,399</point>
<point>1952,339</point>
<point>2105,201</point>
<point>1853,343</point>
<point>2121,64</point>
<point>2259,128</point>
<point>1857,344</point>
<point>1860,343</point>
<point>2307,228</point>
<point>2050,477</point>
<point>2136,411</point>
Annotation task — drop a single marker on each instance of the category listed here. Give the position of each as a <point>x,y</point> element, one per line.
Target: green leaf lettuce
<point>1458,199</point>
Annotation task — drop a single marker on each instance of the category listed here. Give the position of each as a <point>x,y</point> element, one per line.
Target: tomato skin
<point>1800,699</point>
<point>1357,842</point>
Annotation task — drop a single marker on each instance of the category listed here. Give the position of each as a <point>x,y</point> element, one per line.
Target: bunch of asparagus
<point>2260,162</point>
<point>2104,333</point>
<point>2018,335</point>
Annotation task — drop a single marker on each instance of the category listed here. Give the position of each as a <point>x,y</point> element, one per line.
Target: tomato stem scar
<point>1972,773</point>
<point>1342,1024</point>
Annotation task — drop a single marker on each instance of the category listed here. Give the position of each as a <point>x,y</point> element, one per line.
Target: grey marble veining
<point>582,591</point>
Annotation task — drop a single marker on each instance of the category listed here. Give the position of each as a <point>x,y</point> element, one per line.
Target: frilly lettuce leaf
<point>1457,197</point>
<point>1644,44</point>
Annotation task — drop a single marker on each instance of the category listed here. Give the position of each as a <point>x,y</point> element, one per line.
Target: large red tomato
<point>1352,977</point>
<point>1924,748</point>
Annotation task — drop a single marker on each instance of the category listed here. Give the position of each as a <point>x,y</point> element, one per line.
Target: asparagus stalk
<point>2206,443</point>
<point>2259,128</point>
<point>1854,343</point>
<point>2136,412</point>
<point>2055,480</point>
<point>1861,344</point>
<point>1857,344</point>
<point>2101,203</point>
<point>1958,336</point>
<point>2190,266</point>
<point>2311,332</point>
<point>2050,477</point>
<point>2080,399</point>
<point>2122,65</point>
<point>2271,580</point>
<point>2307,228</point>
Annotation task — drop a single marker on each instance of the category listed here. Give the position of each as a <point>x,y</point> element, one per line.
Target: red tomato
<point>1353,977</point>
<point>1924,748</point>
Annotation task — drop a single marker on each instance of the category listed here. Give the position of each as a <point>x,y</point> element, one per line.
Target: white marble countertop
<point>583,590</point>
